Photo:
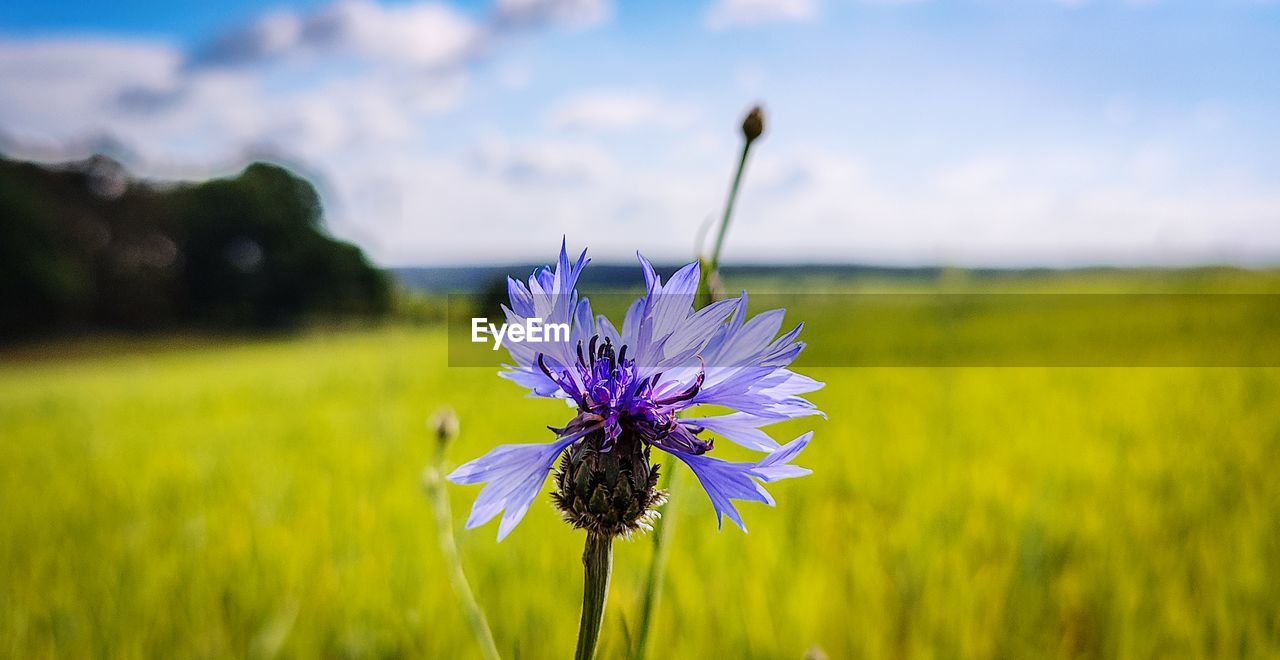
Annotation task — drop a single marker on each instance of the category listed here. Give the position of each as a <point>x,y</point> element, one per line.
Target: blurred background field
<point>1035,246</point>
<point>262,496</point>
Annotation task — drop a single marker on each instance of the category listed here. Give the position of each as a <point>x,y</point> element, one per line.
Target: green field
<point>263,497</point>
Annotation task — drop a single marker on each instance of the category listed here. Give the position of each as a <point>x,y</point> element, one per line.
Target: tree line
<point>85,245</point>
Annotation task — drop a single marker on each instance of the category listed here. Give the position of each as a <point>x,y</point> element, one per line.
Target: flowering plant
<point>629,387</point>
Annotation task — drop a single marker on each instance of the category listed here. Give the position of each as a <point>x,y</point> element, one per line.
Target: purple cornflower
<point>628,389</point>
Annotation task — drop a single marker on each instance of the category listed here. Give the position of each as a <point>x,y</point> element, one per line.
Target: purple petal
<point>739,428</point>
<point>606,330</point>
<point>631,322</point>
<point>691,335</point>
<point>673,303</point>
<point>521,299</point>
<point>777,465</point>
<point>651,279</point>
<point>726,481</point>
<point>512,475</point>
<point>536,381</point>
<point>550,296</point>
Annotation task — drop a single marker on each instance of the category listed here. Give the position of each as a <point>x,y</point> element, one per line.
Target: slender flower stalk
<point>752,129</point>
<point>445,425</point>
<point>597,566</point>
<point>628,389</point>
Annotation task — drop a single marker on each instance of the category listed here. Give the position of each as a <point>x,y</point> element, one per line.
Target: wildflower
<point>628,388</point>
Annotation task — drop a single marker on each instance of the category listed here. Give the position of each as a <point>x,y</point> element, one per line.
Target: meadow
<point>201,497</point>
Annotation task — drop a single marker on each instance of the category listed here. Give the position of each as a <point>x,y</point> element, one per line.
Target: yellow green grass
<point>264,497</point>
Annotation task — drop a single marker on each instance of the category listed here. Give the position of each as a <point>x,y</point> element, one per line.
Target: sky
<point>898,132</point>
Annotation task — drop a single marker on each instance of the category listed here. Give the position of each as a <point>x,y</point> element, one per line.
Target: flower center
<point>608,390</point>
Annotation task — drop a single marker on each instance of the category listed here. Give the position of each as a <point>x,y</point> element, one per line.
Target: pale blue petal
<point>536,381</point>
<point>631,323</point>
<point>673,303</point>
<point>513,475</point>
<point>777,465</point>
<point>521,299</point>
<point>740,428</point>
<point>691,335</point>
<point>651,280</point>
<point>726,481</point>
<point>605,327</point>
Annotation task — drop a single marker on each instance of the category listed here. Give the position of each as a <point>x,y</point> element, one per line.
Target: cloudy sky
<point>967,132</point>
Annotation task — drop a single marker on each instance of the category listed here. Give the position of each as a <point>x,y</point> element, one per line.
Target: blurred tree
<point>85,245</point>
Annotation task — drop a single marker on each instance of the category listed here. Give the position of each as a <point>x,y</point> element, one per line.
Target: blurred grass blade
<point>446,426</point>
<point>663,528</point>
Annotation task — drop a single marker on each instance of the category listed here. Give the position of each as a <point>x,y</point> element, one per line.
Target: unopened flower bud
<point>444,423</point>
<point>610,492</point>
<point>753,124</point>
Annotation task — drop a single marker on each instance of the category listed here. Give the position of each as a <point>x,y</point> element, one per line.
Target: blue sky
<point>969,132</point>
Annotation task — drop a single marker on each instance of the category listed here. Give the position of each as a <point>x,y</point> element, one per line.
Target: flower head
<point>629,389</point>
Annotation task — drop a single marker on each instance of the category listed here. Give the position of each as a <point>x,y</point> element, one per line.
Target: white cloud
<point>347,92</point>
<point>543,162</point>
<point>427,35</point>
<point>1056,205</point>
<point>59,100</point>
<point>515,75</point>
<point>574,13</point>
<point>731,13</point>
<point>386,125</point>
<point>603,110</point>
<point>1063,206</point>
<point>305,83</point>
<point>58,89</point>
<point>407,203</point>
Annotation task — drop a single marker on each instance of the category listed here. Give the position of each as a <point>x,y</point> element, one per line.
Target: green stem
<point>658,564</point>
<point>453,562</point>
<point>597,565</point>
<point>728,207</point>
<point>661,531</point>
